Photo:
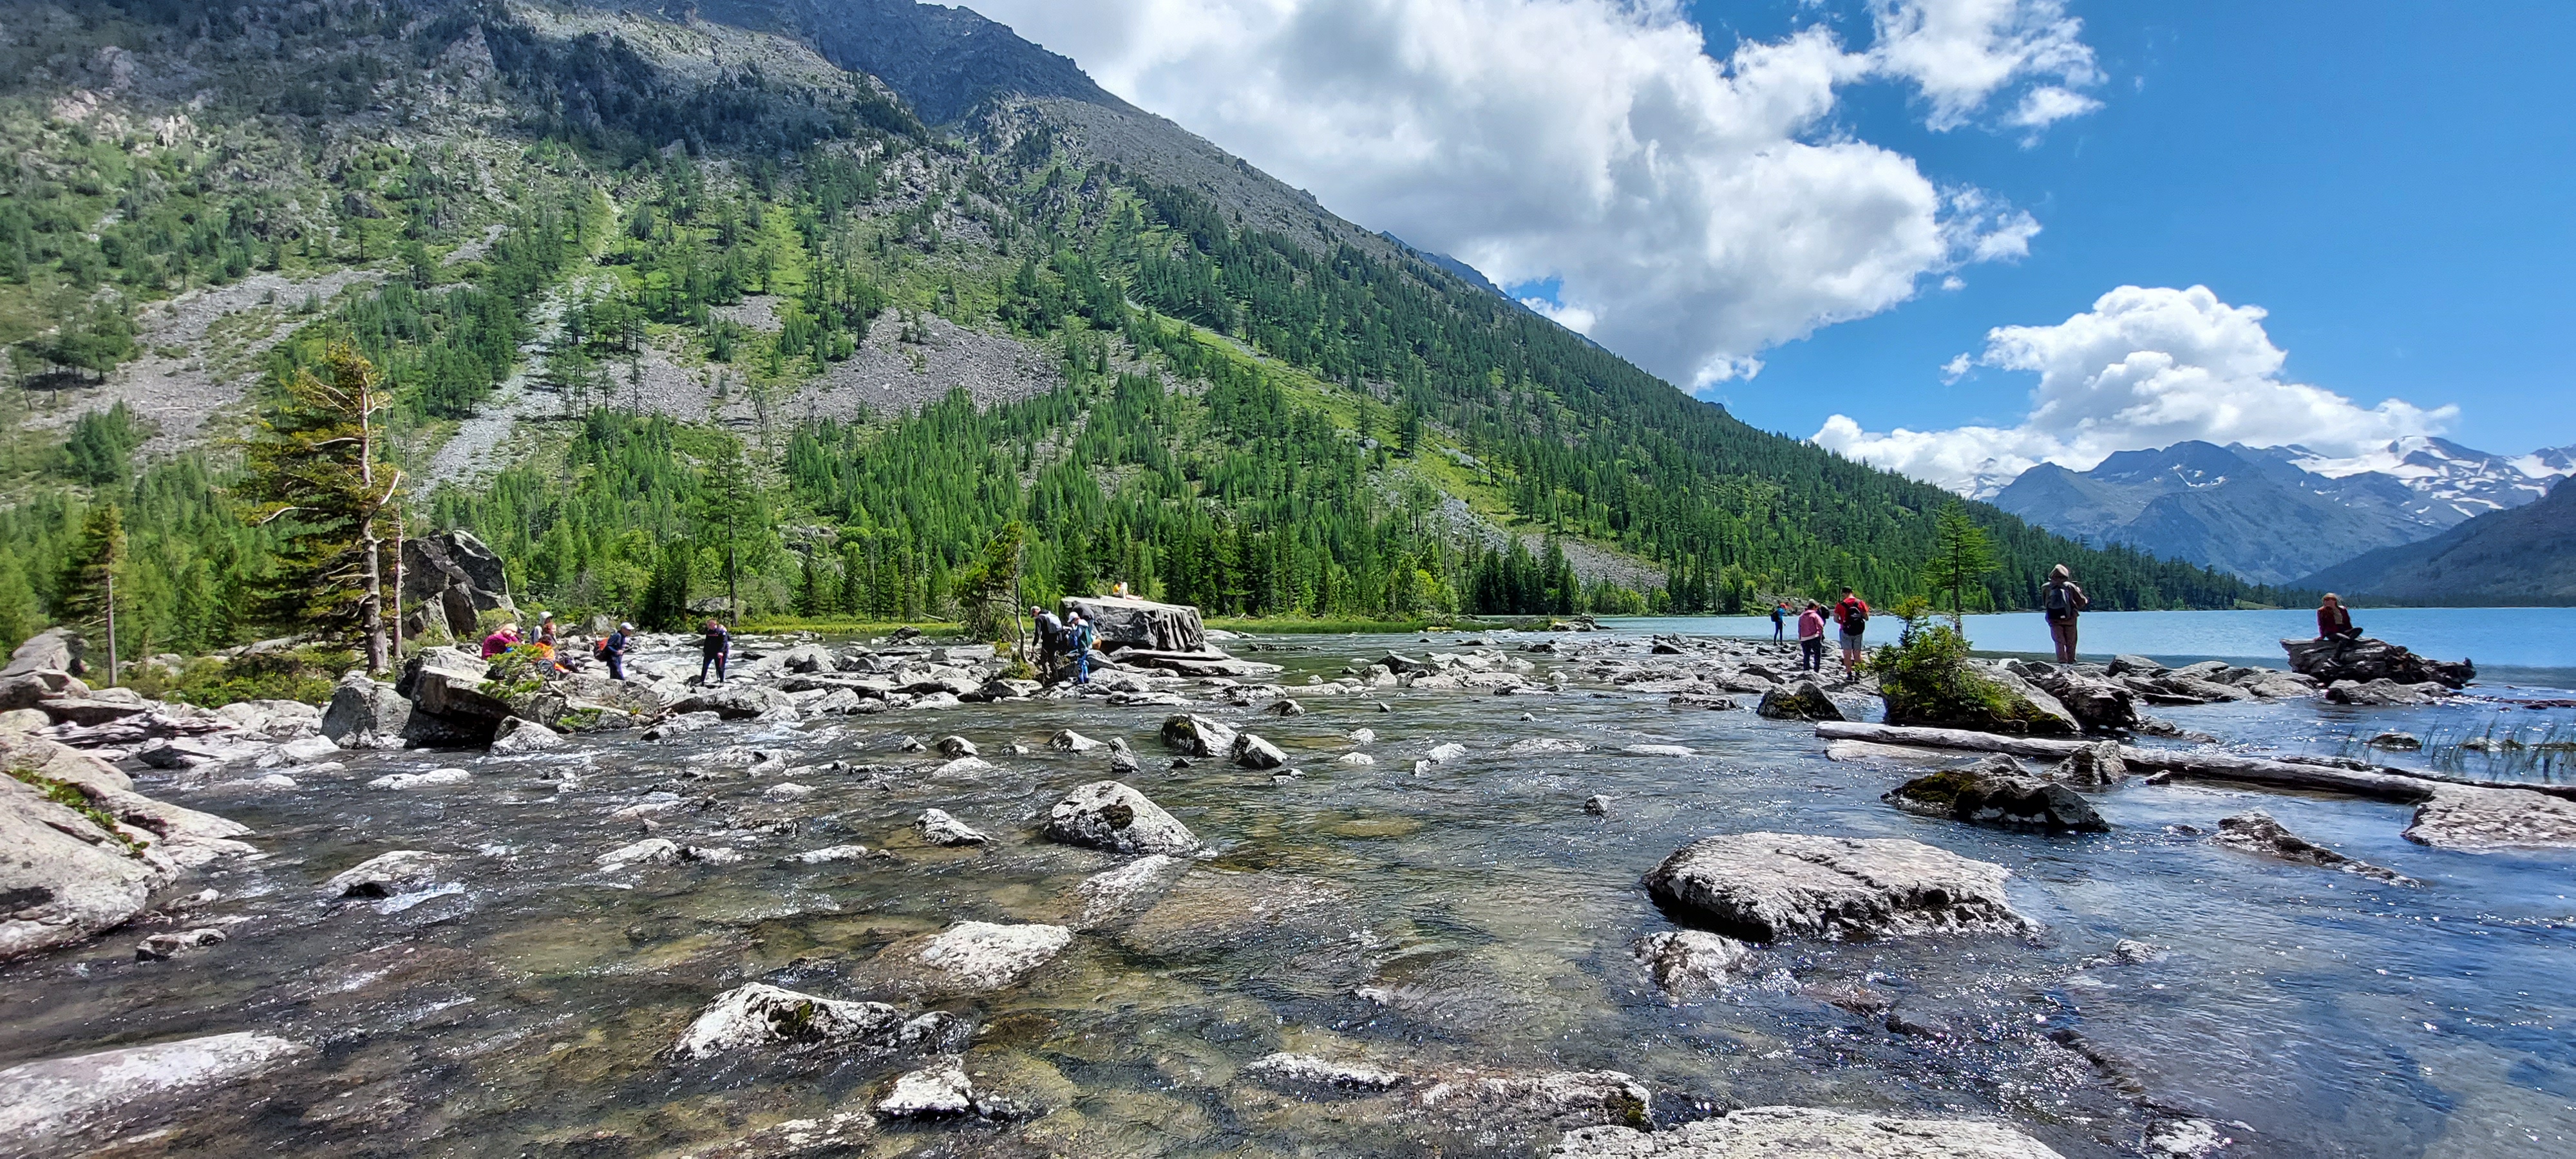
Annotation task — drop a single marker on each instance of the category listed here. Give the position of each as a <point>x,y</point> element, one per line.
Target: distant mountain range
<point>2279,514</point>
<point>2520,556</point>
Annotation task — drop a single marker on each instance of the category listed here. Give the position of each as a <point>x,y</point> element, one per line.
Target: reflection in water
<point>1472,917</point>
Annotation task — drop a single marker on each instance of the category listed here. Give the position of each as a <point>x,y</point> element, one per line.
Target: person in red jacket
<point>1851,614</point>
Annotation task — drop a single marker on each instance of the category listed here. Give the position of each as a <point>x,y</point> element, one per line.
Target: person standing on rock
<point>2059,603</point>
<point>1081,632</point>
<point>1852,615</point>
<point>612,651</point>
<point>713,651</point>
<point>1779,623</point>
<point>1050,632</point>
<point>1811,637</point>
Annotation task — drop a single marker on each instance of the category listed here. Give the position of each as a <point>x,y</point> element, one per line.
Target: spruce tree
<point>1961,557</point>
<point>316,474</point>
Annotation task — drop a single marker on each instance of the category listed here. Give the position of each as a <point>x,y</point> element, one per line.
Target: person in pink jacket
<point>1811,637</point>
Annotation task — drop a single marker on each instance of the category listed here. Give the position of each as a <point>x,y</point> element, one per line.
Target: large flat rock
<point>59,1106</point>
<point>2476,820</point>
<point>1765,886</point>
<point>1804,1132</point>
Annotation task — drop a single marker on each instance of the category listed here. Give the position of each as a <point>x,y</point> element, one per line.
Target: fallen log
<point>2382,783</point>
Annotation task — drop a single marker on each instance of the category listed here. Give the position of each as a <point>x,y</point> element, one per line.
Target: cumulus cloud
<point>2145,367</point>
<point>1694,210</point>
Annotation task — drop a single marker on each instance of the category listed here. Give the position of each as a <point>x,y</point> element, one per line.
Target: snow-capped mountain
<point>2276,514</point>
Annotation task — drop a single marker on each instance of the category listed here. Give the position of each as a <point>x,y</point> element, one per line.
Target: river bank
<point>1448,913</point>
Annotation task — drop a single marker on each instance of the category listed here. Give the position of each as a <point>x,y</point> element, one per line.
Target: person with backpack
<point>1080,631</point>
<point>1852,613</point>
<point>611,651</point>
<point>1811,637</point>
<point>1779,623</point>
<point>713,651</point>
<point>2059,603</point>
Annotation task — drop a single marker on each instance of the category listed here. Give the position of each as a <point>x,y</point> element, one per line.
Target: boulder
<point>2366,660</point>
<point>449,580</point>
<point>939,1091</point>
<point>758,1015</point>
<point>2475,820</point>
<point>955,746</point>
<point>67,1105</point>
<point>1285,707</point>
<point>1197,736</point>
<point>162,947</point>
<point>365,714</point>
<point>100,707</point>
<point>451,704</point>
<point>515,736</point>
<point>1252,752</point>
<point>1994,791</point>
<point>2134,666</point>
<point>23,691</point>
<point>1765,886</point>
<point>52,650</point>
<point>733,701</point>
<point>2097,705</point>
<point>975,957</point>
<point>2392,739</point>
<point>429,780</point>
<point>938,828</point>
<point>807,658</point>
<point>2095,766</point>
<point>1126,623</point>
<point>1801,701</point>
<point>2384,693</point>
<point>1069,741</point>
<point>2257,833</point>
<point>1113,816</point>
<point>1806,1133</point>
<point>387,874</point>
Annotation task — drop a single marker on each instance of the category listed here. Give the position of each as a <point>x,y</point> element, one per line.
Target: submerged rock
<point>2475,820</point>
<point>1114,816</point>
<point>1993,791</point>
<point>1690,962</point>
<point>938,1091</point>
<point>2256,832</point>
<point>1307,1072</point>
<point>387,874</point>
<point>760,1015</point>
<point>58,1105</point>
<point>1806,1133</point>
<point>971,957</point>
<point>1114,893</point>
<point>159,947</point>
<point>953,747</point>
<point>1767,886</point>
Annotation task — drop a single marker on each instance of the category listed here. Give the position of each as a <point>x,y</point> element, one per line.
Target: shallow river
<point>1473,916</point>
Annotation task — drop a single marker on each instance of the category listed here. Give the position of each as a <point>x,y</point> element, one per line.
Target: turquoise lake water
<point>2509,645</point>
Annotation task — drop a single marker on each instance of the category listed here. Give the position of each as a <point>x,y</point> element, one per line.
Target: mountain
<point>2518,557</point>
<point>812,307</point>
<point>2275,514</point>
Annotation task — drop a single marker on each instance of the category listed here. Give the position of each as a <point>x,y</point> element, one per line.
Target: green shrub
<point>301,674</point>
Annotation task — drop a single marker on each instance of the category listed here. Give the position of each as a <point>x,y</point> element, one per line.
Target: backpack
<point>599,648</point>
<point>2059,603</point>
<point>1855,616</point>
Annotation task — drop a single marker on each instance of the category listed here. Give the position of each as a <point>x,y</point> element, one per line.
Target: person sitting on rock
<point>1811,637</point>
<point>501,640</point>
<point>713,650</point>
<point>2334,622</point>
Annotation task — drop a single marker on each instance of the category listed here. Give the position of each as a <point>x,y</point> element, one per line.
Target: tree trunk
<point>111,621</point>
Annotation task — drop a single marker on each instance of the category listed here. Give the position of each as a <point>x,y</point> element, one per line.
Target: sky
<point>1953,237</point>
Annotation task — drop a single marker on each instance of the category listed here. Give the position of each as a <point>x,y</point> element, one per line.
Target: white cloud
<point>1695,211</point>
<point>2143,368</point>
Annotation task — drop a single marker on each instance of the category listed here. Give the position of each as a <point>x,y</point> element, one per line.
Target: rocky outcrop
<point>64,1106</point>
<point>1119,624</point>
<point>1802,701</point>
<point>1995,791</point>
<point>2367,659</point>
<point>759,1016</point>
<point>1113,816</point>
<point>81,851</point>
<point>52,650</point>
<point>449,580</point>
<point>733,701</point>
<point>2475,820</point>
<point>2257,833</point>
<point>1766,886</point>
<point>1982,699</point>
<point>365,714</point>
<point>1803,1132</point>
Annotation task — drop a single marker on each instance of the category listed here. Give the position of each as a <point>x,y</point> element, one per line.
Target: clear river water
<point>1471,916</point>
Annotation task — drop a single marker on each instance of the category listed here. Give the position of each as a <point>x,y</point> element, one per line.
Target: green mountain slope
<point>680,306</point>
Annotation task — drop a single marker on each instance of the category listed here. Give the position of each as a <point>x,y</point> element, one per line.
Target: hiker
<point>1779,623</point>
<point>550,644</point>
<point>2334,622</point>
<point>1852,614</point>
<point>2059,603</point>
<point>612,651</point>
<point>713,651</point>
<point>1119,590</point>
<point>501,640</point>
<point>1080,631</point>
<point>1050,636</point>
<point>1811,637</point>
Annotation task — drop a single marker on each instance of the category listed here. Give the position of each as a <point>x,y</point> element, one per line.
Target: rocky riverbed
<point>929,927</point>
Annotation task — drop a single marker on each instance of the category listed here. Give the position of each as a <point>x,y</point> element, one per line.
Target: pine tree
<point>86,590</point>
<point>19,616</point>
<point>666,595</point>
<point>1961,557</point>
<point>315,473</point>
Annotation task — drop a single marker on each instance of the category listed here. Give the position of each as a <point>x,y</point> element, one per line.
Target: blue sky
<point>1953,237</point>
<point>2392,182</point>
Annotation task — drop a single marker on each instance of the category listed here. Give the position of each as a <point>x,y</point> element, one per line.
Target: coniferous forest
<point>1260,423</point>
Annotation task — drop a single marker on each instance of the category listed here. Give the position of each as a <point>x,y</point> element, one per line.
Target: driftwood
<point>2385,784</point>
